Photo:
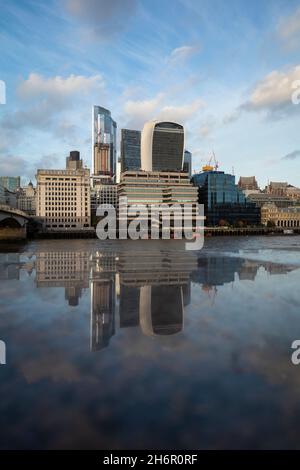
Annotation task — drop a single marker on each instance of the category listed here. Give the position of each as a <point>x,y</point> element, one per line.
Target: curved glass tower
<point>162,146</point>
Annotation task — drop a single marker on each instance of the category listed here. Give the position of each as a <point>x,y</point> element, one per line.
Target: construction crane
<point>209,166</point>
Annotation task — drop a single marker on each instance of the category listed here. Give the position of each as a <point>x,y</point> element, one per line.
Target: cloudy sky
<point>225,69</point>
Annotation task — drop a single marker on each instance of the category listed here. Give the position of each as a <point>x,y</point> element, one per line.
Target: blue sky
<point>225,69</point>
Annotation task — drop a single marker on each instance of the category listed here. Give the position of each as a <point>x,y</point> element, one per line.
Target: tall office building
<point>162,145</point>
<point>104,135</point>
<point>12,183</point>
<point>63,198</point>
<point>187,163</point>
<point>130,150</point>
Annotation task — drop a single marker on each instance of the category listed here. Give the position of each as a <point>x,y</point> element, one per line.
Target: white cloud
<point>37,86</point>
<point>274,93</point>
<point>180,54</point>
<point>138,112</point>
<point>182,113</point>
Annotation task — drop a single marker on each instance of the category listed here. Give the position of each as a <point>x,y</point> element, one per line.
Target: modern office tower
<point>187,163</point>
<point>285,217</point>
<point>73,161</point>
<point>104,137</point>
<point>12,183</point>
<point>130,150</point>
<point>67,269</point>
<point>63,199</point>
<point>26,199</point>
<point>160,188</point>
<point>162,145</point>
<point>223,200</point>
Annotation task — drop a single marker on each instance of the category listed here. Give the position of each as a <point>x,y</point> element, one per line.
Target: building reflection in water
<point>68,269</point>
<point>147,288</point>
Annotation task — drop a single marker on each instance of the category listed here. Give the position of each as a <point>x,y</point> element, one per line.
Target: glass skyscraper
<point>130,150</point>
<point>104,135</point>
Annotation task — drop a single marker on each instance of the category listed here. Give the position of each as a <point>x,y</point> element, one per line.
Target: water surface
<point>142,345</point>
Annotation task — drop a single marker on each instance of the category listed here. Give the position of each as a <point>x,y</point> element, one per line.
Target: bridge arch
<point>10,222</point>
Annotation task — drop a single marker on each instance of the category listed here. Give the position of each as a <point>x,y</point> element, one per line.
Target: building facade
<point>11,183</point>
<point>248,183</point>
<point>63,199</point>
<point>284,217</point>
<point>187,163</point>
<point>130,150</point>
<point>26,199</point>
<point>162,145</point>
<point>261,198</point>
<point>104,142</point>
<point>224,202</point>
<point>2,194</point>
<point>162,189</point>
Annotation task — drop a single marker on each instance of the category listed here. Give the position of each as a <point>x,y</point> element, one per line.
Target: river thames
<point>142,345</point>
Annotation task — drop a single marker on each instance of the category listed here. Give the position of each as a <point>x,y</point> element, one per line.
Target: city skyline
<point>180,73</point>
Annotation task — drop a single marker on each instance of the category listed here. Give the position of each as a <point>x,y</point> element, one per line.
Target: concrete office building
<point>63,198</point>
<point>162,145</point>
<point>159,188</point>
<point>104,142</point>
<point>130,150</point>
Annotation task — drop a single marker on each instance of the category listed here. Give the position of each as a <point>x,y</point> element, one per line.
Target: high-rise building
<point>187,163</point>
<point>12,183</point>
<point>162,145</point>
<point>63,198</point>
<point>223,200</point>
<point>130,150</point>
<point>104,134</point>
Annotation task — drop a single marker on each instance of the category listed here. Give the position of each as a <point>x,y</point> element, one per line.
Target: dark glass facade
<point>130,150</point>
<point>223,200</point>
<point>167,147</point>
